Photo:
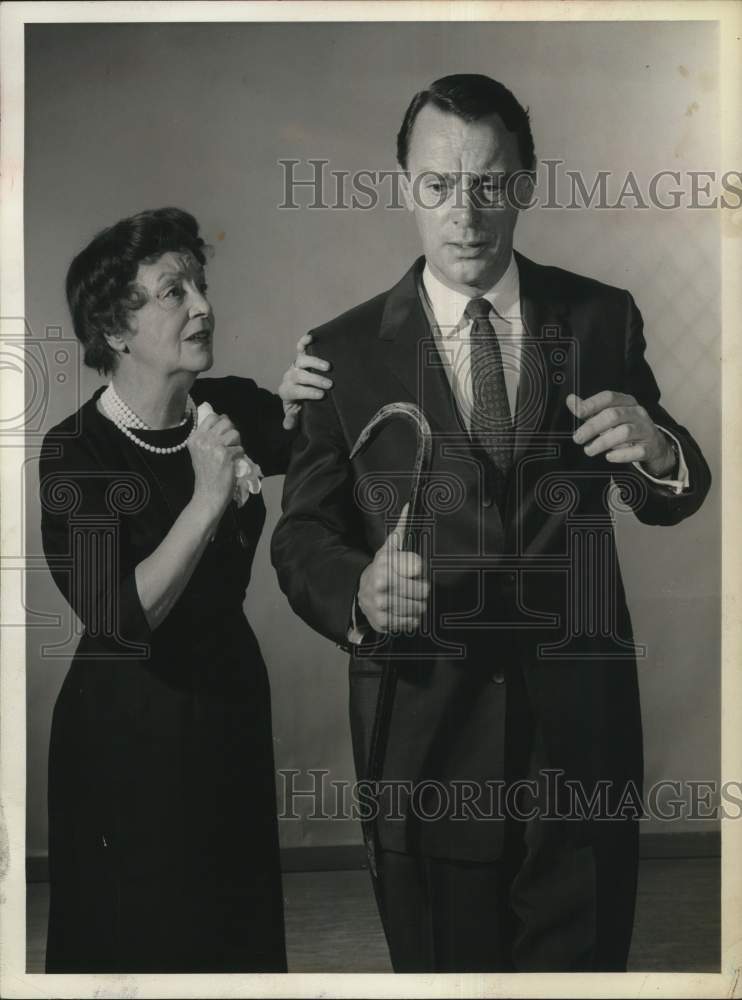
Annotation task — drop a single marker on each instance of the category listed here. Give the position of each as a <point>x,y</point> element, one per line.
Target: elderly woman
<point>163,848</point>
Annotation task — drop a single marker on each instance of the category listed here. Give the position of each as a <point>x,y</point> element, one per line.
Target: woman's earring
<point>126,350</point>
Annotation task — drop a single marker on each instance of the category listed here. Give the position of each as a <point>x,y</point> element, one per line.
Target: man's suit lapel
<point>548,360</point>
<point>548,356</point>
<point>411,355</point>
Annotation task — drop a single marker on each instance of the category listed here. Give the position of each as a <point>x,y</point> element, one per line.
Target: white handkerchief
<point>247,474</point>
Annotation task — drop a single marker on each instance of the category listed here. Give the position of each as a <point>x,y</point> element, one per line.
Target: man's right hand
<point>392,593</point>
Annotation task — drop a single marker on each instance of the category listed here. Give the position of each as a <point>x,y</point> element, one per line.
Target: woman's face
<point>174,330</point>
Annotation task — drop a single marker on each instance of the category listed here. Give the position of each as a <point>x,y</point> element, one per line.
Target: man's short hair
<point>471,96</point>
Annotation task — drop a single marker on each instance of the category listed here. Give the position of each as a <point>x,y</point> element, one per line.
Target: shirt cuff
<point>681,482</point>
<point>358,630</point>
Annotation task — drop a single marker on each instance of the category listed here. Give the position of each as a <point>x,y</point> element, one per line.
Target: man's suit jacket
<point>527,593</point>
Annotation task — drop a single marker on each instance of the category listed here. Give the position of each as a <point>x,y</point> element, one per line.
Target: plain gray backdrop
<point>120,118</point>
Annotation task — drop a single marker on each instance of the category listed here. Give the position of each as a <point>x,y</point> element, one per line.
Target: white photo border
<point>14,981</point>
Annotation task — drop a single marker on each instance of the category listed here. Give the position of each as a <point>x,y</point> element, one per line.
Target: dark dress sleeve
<point>258,415</point>
<point>84,506</point>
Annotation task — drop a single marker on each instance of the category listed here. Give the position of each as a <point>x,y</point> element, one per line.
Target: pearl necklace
<point>124,418</point>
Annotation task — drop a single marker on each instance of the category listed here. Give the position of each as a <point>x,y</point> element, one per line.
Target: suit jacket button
<point>487,500</point>
<point>498,677</point>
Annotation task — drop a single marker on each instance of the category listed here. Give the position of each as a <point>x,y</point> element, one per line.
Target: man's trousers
<point>548,904</point>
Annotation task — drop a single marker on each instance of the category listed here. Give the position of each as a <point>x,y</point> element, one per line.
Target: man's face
<point>457,184</point>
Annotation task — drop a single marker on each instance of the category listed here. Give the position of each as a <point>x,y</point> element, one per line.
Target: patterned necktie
<point>491,424</point>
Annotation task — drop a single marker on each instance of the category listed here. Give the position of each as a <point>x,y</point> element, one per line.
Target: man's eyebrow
<point>431,174</point>
<point>477,175</point>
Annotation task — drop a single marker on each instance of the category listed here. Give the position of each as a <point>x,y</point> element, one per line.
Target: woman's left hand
<point>299,382</point>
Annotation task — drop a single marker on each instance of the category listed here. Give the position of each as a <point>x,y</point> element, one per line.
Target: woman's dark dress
<point>163,847</point>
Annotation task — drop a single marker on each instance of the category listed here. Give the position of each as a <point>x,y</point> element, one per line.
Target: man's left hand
<point>617,427</point>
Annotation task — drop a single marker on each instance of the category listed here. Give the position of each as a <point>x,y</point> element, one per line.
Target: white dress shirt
<point>452,330</point>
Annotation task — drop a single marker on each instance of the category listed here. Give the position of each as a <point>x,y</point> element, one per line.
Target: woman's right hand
<point>214,447</point>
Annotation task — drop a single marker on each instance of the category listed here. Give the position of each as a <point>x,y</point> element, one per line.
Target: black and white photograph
<point>368,466</point>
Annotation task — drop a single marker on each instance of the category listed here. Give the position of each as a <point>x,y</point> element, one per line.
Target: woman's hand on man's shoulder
<point>301,381</point>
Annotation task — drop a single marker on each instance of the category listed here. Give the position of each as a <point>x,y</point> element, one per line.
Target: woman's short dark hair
<point>101,289</point>
<point>471,96</point>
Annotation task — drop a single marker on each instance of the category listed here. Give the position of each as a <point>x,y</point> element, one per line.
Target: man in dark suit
<point>511,775</point>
